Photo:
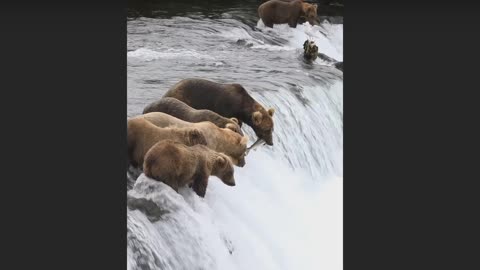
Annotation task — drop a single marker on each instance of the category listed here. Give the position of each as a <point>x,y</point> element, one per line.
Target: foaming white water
<point>308,128</point>
<point>150,55</point>
<point>334,33</point>
<point>327,37</point>
<point>274,218</point>
<point>286,210</point>
<point>236,34</point>
<point>273,47</point>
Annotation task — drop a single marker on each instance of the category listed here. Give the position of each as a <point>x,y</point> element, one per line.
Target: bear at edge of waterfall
<point>178,165</point>
<point>228,100</point>
<point>281,12</point>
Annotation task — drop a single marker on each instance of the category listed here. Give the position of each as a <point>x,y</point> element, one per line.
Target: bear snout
<point>269,141</point>
<point>266,136</point>
<point>230,182</point>
<point>241,162</point>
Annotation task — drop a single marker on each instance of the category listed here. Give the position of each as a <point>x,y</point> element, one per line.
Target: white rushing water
<point>286,210</point>
<point>328,37</point>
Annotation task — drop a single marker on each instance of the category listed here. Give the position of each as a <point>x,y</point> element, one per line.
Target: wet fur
<point>180,110</point>
<point>281,12</point>
<point>228,100</point>
<point>178,165</point>
<point>219,139</point>
<point>141,135</point>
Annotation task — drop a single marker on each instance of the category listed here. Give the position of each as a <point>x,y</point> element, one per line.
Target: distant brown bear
<point>177,165</point>
<point>142,134</point>
<point>228,100</point>
<point>221,140</point>
<point>280,12</point>
<point>180,110</point>
<point>301,19</point>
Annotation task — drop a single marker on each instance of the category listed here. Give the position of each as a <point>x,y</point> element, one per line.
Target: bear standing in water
<point>180,110</point>
<point>280,12</point>
<point>178,165</point>
<point>228,100</point>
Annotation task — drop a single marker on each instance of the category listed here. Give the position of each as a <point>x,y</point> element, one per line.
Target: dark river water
<point>301,175</point>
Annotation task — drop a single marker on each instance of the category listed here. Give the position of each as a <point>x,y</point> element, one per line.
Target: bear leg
<point>268,23</point>
<point>292,24</point>
<point>200,182</point>
<point>174,185</point>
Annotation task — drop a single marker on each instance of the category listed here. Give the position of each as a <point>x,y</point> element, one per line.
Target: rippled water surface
<point>286,210</point>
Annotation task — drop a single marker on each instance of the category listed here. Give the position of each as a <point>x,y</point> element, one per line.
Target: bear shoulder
<point>238,88</point>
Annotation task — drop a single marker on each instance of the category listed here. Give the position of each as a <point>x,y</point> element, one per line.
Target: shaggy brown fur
<point>280,12</point>
<point>228,100</point>
<point>177,165</point>
<point>141,135</point>
<point>180,110</point>
<point>222,140</point>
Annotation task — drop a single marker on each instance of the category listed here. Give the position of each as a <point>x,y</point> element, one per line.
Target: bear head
<point>238,148</point>
<point>310,12</point>
<point>263,124</point>
<point>242,145</point>
<point>223,169</point>
<point>234,126</point>
<point>194,136</point>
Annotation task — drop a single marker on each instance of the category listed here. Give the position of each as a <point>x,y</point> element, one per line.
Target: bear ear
<point>243,140</point>
<point>271,111</point>
<point>257,118</point>
<point>221,162</point>
<point>234,119</point>
<point>196,137</point>
<point>231,126</point>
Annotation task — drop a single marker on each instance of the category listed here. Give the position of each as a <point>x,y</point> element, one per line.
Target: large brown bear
<point>280,12</point>
<point>142,134</point>
<point>228,100</point>
<point>221,140</point>
<point>177,165</point>
<point>180,110</point>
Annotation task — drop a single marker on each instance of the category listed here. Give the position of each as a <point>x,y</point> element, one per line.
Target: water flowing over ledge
<point>286,210</point>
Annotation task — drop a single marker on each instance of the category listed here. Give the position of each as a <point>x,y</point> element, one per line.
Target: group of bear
<point>194,131</point>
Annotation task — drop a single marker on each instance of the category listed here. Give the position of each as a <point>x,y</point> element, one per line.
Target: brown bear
<point>180,110</point>
<point>178,165</point>
<point>301,19</point>
<point>218,139</point>
<point>142,134</point>
<point>228,100</point>
<point>280,12</point>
